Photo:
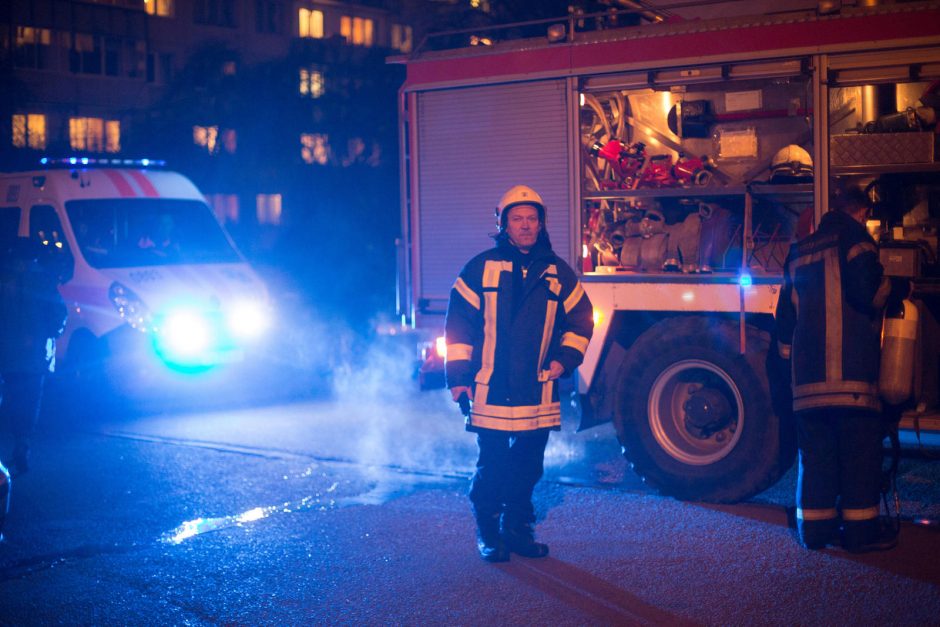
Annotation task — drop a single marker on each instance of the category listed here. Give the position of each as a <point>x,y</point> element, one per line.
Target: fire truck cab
<point>678,161</point>
<point>152,283</point>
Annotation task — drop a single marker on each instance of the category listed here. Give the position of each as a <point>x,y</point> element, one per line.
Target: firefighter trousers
<point>22,396</point>
<point>839,479</point>
<point>508,467</point>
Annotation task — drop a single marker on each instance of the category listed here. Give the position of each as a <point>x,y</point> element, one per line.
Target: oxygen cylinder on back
<point>899,338</point>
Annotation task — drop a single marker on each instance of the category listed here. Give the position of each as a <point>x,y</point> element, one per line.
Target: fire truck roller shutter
<point>473,145</point>
<point>694,417</point>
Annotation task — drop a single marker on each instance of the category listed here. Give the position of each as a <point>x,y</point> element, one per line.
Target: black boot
<point>489,542</point>
<point>877,535</point>
<point>519,536</point>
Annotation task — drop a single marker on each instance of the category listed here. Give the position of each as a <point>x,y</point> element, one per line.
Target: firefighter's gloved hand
<point>555,370</point>
<point>457,390</point>
<point>462,395</point>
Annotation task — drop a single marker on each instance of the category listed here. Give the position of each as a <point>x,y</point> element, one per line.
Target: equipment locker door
<point>473,145</point>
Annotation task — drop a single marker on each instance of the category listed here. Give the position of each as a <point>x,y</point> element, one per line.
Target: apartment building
<point>250,98</point>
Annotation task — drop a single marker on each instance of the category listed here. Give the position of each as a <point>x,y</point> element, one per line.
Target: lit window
<point>224,206</point>
<point>26,35</point>
<point>375,158</point>
<point>401,37</point>
<point>85,56</point>
<point>32,47</point>
<point>206,136</point>
<point>229,140</point>
<point>112,136</point>
<point>310,23</point>
<point>355,149</point>
<point>311,83</point>
<point>268,208</point>
<point>95,135</point>
<point>29,130</point>
<point>84,42</point>
<point>314,148</point>
<point>163,8</point>
<point>356,30</point>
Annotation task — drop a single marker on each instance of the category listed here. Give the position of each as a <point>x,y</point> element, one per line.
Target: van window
<point>129,232</point>
<point>9,225</point>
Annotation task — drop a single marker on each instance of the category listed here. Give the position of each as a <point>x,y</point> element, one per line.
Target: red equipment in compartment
<point>634,168</point>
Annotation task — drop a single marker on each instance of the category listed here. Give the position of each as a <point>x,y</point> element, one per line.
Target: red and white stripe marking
<point>132,183</point>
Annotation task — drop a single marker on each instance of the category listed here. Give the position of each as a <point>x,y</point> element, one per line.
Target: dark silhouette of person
<point>33,315</point>
<point>828,324</point>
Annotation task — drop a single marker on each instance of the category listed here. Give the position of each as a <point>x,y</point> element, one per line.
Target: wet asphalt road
<point>352,510</point>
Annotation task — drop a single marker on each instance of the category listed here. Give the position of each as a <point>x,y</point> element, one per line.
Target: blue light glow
<point>101,161</point>
<point>192,337</point>
<point>185,338</point>
<point>745,280</point>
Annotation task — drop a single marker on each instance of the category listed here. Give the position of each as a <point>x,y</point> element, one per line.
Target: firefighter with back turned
<point>829,324</point>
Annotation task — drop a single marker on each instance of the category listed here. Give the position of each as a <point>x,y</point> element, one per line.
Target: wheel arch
<point>626,327</point>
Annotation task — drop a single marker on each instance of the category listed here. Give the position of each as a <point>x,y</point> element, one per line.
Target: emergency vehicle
<point>153,284</point>
<point>678,160</point>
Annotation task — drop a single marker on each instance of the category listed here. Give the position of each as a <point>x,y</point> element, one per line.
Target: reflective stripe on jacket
<point>502,349</point>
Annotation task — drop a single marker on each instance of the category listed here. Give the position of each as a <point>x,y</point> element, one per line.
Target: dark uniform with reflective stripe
<point>829,313</point>
<point>510,315</point>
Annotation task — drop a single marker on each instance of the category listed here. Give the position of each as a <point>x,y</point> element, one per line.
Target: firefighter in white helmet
<point>517,320</point>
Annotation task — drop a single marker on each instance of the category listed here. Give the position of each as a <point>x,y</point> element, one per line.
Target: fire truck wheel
<point>694,416</point>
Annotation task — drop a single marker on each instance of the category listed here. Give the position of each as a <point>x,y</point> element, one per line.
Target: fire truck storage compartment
<point>888,144</point>
<point>669,158</point>
<point>693,177</point>
<point>474,144</point>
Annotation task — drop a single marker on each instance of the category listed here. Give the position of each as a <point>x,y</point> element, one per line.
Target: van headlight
<point>132,309</point>
<point>248,320</point>
<point>186,333</point>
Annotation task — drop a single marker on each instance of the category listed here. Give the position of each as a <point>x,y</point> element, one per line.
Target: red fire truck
<point>678,160</point>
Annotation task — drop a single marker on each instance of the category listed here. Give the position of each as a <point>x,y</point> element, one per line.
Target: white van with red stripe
<point>149,276</point>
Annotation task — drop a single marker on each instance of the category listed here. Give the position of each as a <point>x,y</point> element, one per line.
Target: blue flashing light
<point>745,280</point>
<point>102,161</point>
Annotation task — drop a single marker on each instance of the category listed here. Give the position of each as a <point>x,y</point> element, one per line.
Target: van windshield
<point>128,232</point>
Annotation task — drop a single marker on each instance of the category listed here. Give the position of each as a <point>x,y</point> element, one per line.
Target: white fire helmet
<point>518,195</point>
<point>791,164</point>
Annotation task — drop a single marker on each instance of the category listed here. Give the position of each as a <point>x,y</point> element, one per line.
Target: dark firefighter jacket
<point>829,316</point>
<point>32,314</point>
<point>510,315</point>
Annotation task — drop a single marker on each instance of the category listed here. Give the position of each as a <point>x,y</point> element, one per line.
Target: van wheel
<point>694,416</point>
